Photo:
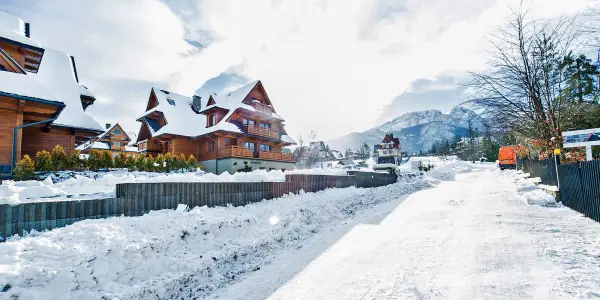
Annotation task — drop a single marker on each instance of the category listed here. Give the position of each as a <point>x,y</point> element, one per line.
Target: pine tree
<point>25,169</point>
<point>59,158</point>
<point>43,161</point>
<point>74,160</point>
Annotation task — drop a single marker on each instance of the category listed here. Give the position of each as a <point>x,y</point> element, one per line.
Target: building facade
<point>42,103</point>
<point>114,140</point>
<point>238,131</point>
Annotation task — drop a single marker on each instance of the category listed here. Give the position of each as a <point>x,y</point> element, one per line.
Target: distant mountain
<point>416,130</point>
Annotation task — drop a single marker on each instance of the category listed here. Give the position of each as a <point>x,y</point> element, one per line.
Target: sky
<point>332,66</point>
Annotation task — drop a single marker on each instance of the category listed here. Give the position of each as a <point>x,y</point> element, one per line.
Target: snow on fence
<point>136,199</point>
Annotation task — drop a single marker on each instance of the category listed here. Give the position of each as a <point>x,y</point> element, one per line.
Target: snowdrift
<point>95,185</point>
<point>173,254</point>
<point>526,187</point>
<point>448,171</point>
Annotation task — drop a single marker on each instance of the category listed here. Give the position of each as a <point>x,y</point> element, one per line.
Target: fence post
<point>556,163</point>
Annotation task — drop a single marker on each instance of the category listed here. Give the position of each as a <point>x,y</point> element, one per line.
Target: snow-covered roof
<point>288,139</point>
<point>25,85</point>
<point>181,119</point>
<point>233,100</point>
<point>110,129</point>
<point>56,74</point>
<point>13,28</point>
<point>94,145</point>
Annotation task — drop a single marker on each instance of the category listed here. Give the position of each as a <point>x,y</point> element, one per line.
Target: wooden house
<point>42,103</point>
<point>240,130</point>
<point>113,139</point>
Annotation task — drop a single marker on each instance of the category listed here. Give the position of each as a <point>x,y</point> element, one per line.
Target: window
<point>116,131</point>
<point>249,145</point>
<point>211,146</point>
<point>265,125</point>
<point>212,120</point>
<point>171,101</point>
<point>117,144</point>
<point>245,122</point>
<point>227,141</point>
<point>265,147</point>
<point>251,122</point>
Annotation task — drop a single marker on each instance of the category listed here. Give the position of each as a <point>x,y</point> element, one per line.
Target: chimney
<point>108,125</point>
<point>27,30</point>
<point>196,103</point>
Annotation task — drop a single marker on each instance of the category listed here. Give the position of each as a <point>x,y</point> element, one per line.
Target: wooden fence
<point>136,199</point>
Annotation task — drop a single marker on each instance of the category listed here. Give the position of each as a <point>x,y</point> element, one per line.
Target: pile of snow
<point>93,185</point>
<point>531,193</point>
<point>447,171</point>
<point>185,255</point>
<point>82,187</point>
<point>319,171</point>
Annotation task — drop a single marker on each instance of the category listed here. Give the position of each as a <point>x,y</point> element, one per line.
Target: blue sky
<point>334,66</point>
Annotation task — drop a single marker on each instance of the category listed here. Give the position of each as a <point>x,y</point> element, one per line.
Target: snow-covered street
<point>474,238</point>
<point>479,236</point>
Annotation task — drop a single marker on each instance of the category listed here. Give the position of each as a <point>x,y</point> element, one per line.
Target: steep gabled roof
<point>56,73</point>
<point>12,30</point>
<point>181,119</point>
<point>102,135</point>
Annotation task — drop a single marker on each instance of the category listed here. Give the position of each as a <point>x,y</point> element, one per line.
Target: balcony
<point>262,131</point>
<point>149,146</point>
<point>260,107</point>
<point>235,151</point>
<point>275,156</point>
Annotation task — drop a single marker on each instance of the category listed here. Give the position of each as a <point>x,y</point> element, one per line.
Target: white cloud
<point>328,65</point>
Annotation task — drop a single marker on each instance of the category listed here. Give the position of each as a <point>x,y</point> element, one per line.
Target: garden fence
<point>136,199</point>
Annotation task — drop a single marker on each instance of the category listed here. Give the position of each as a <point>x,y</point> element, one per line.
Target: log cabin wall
<point>8,120</point>
<point>37,139</point>
<point>184,145</point>
<point>15,52</point>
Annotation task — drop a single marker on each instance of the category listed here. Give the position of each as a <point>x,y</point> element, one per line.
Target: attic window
<point>254,100</point>
<point>171,101</point>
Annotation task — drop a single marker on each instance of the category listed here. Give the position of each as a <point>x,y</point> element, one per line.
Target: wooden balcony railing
<point>262,131</point>
<point>235,151</point>
<point>262,108</point>
<point>148,146</point>
<point>275,156</point>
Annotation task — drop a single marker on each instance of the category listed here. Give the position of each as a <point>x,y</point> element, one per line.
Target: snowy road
<point>473,238</point>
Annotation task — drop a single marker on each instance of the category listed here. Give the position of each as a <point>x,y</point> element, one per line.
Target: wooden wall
<point>8,120</point>
<point>184,145</point>
<point>37,139</point>
<point>15,52</point>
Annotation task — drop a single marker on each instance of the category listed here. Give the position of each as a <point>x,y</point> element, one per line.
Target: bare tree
<point>523,86</point>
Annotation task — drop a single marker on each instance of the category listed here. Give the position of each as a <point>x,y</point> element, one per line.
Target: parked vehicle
<point>507,158</point>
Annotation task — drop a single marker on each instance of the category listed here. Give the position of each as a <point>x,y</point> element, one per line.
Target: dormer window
<point>171,101</point>
<point>212,120</point>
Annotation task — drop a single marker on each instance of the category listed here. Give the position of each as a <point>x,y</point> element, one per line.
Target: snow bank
<point>526,187</point>
<point>82,187</point>
<point>447,171</point>
<point>172,254</point>
<point>88,185</point>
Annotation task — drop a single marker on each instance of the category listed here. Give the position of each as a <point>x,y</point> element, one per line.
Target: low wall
<point>136,199</point>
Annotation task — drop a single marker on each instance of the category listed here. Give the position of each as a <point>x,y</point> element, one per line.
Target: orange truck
<point>507,158</point>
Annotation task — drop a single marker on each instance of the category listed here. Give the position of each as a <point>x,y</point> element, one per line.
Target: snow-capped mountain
<point>417,130</point>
